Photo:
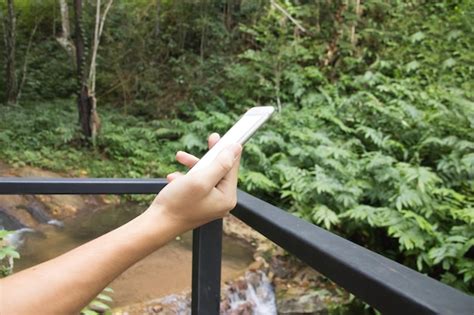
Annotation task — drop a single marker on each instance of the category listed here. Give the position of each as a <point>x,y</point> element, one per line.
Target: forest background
<point>373,138</point>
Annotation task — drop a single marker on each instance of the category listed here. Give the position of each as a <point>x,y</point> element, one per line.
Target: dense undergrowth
<point>378,146</point>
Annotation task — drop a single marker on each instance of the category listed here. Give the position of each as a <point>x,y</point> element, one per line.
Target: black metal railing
<point>388,286</point>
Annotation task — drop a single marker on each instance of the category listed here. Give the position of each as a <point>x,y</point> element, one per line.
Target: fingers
<point>212,140</point>
<point>186,159</point>
<point>229,182</point>
<point>223,163</point>
<point>190,160</point>
<point>171,177</point>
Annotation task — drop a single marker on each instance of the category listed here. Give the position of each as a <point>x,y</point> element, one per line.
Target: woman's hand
<point>194,199</point>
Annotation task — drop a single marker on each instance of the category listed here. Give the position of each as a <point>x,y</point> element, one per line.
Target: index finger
<point>222,164</point>
<point>229,181</point>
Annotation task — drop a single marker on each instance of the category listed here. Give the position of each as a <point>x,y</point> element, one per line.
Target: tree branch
<point>25,62</point>
<point>99,27</point>
<point>288,15</point>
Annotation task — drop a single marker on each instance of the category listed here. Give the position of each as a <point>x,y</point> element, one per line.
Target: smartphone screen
<point>240,132</point>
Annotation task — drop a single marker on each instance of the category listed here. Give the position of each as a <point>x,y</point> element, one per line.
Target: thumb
<point>222,164</point>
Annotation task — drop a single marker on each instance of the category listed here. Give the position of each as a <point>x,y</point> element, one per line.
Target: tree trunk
<point>65,25</point>
<point>354,24</point>
<point>9,36</point>
<point>228,6</point>
<point>65,37</point>
<point>98,29</point>
<point>332,51</point>
<point>83,105</point>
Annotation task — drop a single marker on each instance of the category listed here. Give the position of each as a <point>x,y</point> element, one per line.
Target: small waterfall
<point>8,222</point>
<point>11,223</point>
<point>56,223</point>
<point>38,212</point>
<point>17,238</point>
<point>253,294</point>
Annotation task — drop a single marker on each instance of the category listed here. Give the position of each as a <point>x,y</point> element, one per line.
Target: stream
<point>164,272</point>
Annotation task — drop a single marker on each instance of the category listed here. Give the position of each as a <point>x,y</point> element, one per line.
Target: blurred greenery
<point>8,254</point>
<point>373,140</point>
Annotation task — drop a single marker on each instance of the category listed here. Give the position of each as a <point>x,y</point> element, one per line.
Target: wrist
<point>164,222</point>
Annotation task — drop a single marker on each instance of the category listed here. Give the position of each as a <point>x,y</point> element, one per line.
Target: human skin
<point>66,284</point>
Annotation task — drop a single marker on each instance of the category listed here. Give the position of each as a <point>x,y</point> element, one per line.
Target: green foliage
<point>42,135</point>
<point>100,305</point>
<point>384,153</point>
<point>7,255</point>
<point>391,161</point>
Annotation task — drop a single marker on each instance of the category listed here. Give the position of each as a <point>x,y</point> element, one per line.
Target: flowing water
<point>164,272</point>
<point>252,294</point>
<point>9,222</point>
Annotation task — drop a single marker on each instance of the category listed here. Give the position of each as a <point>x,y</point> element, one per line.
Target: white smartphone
<point>240,132</point>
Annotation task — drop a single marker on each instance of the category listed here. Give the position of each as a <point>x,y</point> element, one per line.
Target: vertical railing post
<point>206,278</point>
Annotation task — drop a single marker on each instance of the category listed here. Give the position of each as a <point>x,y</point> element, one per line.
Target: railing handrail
<point>385,284</point>
<point>390,287</point>
<point>79,186</point>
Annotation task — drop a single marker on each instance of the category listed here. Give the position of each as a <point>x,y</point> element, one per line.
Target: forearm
<point>67,283</point>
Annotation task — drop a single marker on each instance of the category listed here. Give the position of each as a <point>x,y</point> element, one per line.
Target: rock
<point>20,214</point>
<point>9,221</point>
<point>299,302</point>
<point>236,228</point>
<point>278,267</point>
<point>157,308</point>
<point>37,210</point>
<point>174,304</point>
<point>63,206</point>
<point>256,265</point>
<point>11,201</point>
